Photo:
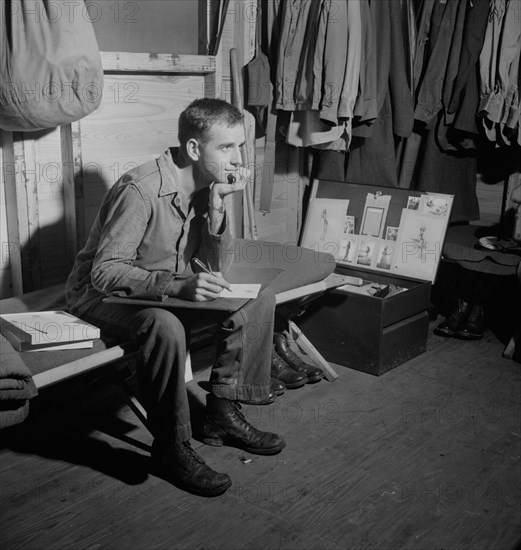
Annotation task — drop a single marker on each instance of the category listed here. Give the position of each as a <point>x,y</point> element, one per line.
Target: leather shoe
<point>282,347</point>
<point>225,424</point>
<point>473,328</point>
<point>271,397</point>
<point>453,322</point>
<point>277,386</point>
<point>281,370</point>
<point>179,464</point>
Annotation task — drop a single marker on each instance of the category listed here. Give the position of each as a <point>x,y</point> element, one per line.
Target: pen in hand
<point>206,269</point>
<point>200,264</point>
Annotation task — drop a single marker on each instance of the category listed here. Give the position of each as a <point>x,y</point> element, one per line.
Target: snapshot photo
<point>349,225</point>
<point>385,256</point>
<point>391,233</point>
<point>348,250</point>
<point>413,203</point>
<point>435,205</point>
<point>365,252</point>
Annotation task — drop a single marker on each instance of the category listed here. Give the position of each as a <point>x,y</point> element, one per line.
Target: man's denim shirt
<point>144,236</point>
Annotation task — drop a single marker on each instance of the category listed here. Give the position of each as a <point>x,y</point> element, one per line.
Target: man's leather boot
<point>277,386</point>
<point>281,370</point>
<point>473,328</point>
<point>268,401</point>
<point>452,323</point>
<point>225,424</point>
<point>179,464</point>
<point>282,347</point>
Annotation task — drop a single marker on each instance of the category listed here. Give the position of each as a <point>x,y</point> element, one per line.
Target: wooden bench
<point>52,367</point>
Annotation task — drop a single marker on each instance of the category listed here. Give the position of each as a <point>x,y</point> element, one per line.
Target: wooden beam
<point>295,184</point>
<point>69,198</point>
<point>14,246</point>
<point>128,62</point>
<point>70,139</point>
<point>30,177</point>
<point>21,200</point>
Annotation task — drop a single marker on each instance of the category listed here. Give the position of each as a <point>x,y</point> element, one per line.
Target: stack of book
<point>47,330</point>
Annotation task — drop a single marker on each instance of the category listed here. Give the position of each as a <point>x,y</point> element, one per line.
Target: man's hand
<point>219,190</point>
<point>202,287</point>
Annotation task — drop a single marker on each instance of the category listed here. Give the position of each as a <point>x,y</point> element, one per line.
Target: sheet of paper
<point>238,290</point>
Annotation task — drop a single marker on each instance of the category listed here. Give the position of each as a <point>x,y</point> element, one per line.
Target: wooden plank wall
<point>53,181</point>
<point>137,121</point>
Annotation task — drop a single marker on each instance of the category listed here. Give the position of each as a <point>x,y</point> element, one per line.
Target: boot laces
<point>293,356</point>
<point>240,416</point>
<point>188,452</point>
<point>277,361</point>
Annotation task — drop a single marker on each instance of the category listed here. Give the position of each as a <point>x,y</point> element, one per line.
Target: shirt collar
<point>169,173</point>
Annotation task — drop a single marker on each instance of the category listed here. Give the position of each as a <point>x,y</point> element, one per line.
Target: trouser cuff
<point>243,393</point>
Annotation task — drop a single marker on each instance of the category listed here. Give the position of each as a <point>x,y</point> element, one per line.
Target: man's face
<point>221,154</point>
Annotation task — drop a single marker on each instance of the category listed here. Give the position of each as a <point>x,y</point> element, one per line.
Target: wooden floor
<point>424,457</point>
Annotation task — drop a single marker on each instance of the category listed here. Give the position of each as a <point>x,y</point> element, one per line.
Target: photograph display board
<point>388,230</point>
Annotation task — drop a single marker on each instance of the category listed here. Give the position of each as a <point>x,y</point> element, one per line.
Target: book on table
<point>46,328</point>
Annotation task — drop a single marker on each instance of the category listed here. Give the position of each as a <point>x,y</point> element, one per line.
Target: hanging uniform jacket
<point>298,34</point>
<point>499,66</point>
<point>400,81</point>
<point>490,94</point>
<point>340,67</point>
<point>429,93</point>
<point>336,73</point>
<point>366,106</point>
<point>454,57</point>
<point>472,43</point>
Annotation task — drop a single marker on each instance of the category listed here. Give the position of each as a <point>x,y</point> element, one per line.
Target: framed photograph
<point>324,227</point>
<point>419,245</point>
<point>375,214</point>
<point>384,255</point>
<point>373,221</point>
<point>365,252</point>
<point>436,205</point>
<point>348,249</point>
<point>391,233</point>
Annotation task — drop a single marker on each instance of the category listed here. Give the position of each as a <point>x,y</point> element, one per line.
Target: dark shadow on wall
<point>46,258</point>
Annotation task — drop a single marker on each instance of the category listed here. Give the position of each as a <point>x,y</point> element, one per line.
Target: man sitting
<point>152,223</point>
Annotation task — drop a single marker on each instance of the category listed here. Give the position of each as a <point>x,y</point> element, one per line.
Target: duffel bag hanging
<point>50,66</point>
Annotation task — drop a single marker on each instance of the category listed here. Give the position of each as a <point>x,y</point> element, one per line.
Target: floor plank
<point>427,456</point>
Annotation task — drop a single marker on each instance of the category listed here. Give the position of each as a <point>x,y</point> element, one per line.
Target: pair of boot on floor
<point>224,423</point>
<point>288,370</point>
<point>467,321</point>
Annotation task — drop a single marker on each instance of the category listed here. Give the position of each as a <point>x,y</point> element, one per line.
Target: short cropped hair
<point>202,114</point>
